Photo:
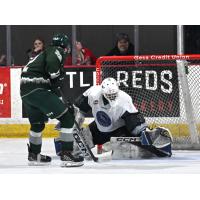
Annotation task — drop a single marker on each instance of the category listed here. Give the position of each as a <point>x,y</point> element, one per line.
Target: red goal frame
<point>164,57</point>
<point>140,58</point>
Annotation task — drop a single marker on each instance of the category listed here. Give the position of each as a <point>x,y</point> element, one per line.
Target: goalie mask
<point>110,89</point>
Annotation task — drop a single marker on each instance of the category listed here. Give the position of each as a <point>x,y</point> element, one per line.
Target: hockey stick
<point>78,136</point>
<point>80,140</point>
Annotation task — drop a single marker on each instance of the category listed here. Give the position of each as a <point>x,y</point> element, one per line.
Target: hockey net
<point>165,88</point>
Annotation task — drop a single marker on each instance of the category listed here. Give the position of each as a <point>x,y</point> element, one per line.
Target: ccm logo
<point>2,87</point>
<point>127,139</point>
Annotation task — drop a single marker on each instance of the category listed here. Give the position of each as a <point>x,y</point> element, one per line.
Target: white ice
<point>13,160</point>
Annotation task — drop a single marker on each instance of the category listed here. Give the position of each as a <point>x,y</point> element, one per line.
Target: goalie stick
<point>78,136</point>
<point>80,140</point>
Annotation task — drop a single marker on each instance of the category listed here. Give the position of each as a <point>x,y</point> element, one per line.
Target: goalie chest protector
<point>108,116</point>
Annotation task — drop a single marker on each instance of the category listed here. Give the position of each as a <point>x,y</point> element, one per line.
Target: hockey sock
<point>66,137</point>
<point>35,148</point>
<point>66,146</point>
<point>58,146</point>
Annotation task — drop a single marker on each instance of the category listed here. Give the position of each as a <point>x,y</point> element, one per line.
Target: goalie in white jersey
<point>116,116</point>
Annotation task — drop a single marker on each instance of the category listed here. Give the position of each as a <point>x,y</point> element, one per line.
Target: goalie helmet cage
<point>165,88</point>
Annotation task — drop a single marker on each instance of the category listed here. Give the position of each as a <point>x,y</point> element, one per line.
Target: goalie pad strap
<point>162,152</point>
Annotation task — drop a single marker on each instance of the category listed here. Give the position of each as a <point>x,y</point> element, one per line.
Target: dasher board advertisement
<point>5,97</point>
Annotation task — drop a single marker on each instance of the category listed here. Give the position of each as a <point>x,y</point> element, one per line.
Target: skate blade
<point>35,163</point>
<point>71,164</point>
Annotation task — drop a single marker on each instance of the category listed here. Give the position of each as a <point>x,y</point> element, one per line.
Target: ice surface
<point>13,160</point>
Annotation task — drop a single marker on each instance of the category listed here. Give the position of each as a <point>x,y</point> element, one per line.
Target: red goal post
<point>165,88</point>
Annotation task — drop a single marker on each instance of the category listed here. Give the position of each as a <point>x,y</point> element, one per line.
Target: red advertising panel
<point>5,97</point>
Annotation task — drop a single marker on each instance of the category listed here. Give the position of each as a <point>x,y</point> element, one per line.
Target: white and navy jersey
<point>107,117</point>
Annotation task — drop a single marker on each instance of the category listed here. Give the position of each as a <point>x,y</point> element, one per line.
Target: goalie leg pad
<point>124,150</point>
<point>160,136</point>
<point>160,141</point>
<point>165,150</point>
<point>145,138</point>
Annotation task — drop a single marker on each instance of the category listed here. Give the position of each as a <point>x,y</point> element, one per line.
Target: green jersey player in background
<point>41,80</point>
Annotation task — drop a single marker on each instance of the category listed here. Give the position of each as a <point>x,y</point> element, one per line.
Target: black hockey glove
<point>57,82</point>
<point>70,107</point>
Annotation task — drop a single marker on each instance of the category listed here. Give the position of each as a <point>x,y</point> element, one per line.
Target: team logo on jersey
<point>95,102</point>
<point>58,55</point>
<point>49,114</point>
<point>103,119</point>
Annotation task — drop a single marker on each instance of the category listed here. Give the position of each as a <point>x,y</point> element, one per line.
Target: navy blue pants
<point>102,137</point>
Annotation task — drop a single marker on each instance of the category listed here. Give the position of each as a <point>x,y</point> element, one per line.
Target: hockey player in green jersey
<point>41,80</point>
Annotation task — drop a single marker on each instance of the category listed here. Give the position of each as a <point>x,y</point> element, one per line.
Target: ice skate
<point>37,159</point>
<point>69,160</point>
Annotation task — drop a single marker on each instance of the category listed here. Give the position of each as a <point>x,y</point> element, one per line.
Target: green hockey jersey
<point>38,72</point>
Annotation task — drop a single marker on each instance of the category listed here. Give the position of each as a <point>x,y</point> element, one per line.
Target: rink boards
<point>12,124</point>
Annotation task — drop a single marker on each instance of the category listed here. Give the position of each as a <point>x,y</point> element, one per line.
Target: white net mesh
<point>153,82</point>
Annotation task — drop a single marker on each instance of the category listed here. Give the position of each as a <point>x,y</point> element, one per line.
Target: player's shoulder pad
<point>126,102</point>
<point>55,51</point>
<point>92,91</point>
<point>123,96</point>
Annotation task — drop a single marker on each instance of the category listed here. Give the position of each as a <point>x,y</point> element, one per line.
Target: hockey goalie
<point>118,125</point>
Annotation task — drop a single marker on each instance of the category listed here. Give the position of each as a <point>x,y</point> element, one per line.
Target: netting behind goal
<point>165,88</point>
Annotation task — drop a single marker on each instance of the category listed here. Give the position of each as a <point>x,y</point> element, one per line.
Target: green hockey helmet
<point>61,40</point>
